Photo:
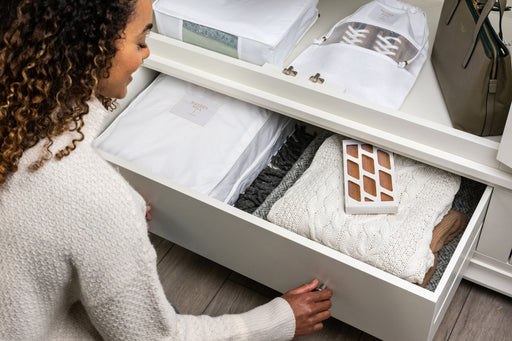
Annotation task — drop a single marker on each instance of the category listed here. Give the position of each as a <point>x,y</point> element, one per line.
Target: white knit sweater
<point>76,262</point>
<point>397,243</point>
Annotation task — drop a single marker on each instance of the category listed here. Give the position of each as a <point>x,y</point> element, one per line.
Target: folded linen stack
<point>398,243</point>
<point>257,31</point>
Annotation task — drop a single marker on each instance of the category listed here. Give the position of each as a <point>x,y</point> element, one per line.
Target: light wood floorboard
<point>189,280</point>
<point>234,298</point>
<point>450,318</point>
<point>486,315</point>
<point>161,246</point>
<point>196,285</point>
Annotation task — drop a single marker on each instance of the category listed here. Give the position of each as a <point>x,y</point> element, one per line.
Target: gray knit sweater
<point>76,262</point>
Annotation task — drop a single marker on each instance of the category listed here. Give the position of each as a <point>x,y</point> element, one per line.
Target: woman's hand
<point>309,307</point>
<point>148,214</point>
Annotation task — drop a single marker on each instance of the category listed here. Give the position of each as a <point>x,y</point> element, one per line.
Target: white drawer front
<point>365,297</point>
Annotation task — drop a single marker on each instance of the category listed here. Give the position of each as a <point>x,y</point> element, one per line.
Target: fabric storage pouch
<point>257,31</point>
<point>375,54</point>
<point>204,140</point>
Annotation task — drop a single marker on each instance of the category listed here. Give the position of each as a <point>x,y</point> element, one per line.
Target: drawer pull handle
<point>316,79</point>
<point>290,71</point>
<point>320,287</point>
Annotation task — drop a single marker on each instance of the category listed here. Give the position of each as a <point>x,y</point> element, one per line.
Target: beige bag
<point>472,65</point>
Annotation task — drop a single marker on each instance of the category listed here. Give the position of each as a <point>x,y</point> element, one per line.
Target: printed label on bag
<point>383,15</point>
<point>196,109</point>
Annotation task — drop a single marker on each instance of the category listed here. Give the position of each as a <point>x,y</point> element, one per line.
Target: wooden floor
<point>196,286</point>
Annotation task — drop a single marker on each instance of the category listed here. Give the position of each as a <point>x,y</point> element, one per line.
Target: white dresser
<point>367,298</point>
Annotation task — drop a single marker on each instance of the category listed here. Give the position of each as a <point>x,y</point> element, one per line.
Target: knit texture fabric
<point>272,175</point>
<point>465,201</point>
<point>399,243</point>
<point>76,262</point>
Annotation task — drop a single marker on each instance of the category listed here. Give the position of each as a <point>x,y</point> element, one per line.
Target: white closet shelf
<point>418,130</point>
<point>421,129</point>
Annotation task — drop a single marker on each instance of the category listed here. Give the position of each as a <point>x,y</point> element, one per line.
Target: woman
<point>75,259</point>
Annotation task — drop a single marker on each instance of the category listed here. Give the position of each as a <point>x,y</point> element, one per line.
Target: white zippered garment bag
<point>258,31</point>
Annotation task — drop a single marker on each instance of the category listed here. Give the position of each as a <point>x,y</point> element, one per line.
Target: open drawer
<point>365,297</point>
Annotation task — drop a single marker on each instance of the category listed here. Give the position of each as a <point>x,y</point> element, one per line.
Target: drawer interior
<point>296,155</point>
<point>288,164</point>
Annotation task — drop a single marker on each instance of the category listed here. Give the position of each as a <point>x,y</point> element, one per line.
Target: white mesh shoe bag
<point>204,140</point>
<point>375,54</point>
<point>257,31</point>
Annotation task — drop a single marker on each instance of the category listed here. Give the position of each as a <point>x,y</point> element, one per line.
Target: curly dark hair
<point>52,55</point>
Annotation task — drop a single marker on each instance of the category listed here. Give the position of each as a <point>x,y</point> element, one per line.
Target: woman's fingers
<point>321,295</point>
<point>307,287</point>
<point>321,306</point>
<point>320,316</point>
<point>148,213</point>
<point>309,307</point>
<point>317,327</point>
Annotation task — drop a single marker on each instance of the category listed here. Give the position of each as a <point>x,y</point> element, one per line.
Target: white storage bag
<point>375,54</point>
<point>257,31</point>
<point>204,140</point>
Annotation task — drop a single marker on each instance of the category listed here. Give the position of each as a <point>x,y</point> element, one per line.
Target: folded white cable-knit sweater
<point>397,243</point>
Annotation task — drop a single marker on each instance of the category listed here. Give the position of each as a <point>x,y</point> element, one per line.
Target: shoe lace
<point>386,46</point>
<point>353,36</point>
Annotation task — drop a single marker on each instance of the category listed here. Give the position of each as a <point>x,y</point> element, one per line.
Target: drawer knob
<point>320,287</point>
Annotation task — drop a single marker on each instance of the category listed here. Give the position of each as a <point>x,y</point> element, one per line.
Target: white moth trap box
<point>368,179</point>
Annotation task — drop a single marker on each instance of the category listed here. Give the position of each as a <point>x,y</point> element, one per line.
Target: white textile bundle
<point>397,243</point>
